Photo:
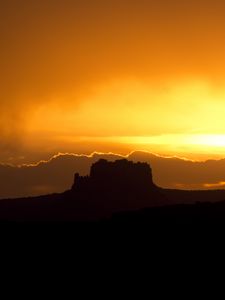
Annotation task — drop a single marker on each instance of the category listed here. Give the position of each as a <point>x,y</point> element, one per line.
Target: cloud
<point>59,51</point>
<point>56,174</point>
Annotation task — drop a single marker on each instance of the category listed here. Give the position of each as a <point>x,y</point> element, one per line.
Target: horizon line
<point>91,155</point>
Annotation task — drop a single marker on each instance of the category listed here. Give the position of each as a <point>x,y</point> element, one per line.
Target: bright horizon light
<point>210,140</point>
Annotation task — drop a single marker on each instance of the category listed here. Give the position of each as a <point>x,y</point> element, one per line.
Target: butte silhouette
<point>111,187</point>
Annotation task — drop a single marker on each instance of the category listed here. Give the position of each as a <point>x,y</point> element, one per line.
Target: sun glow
<point>171,118</point>
<point>177,142</point>
<point>210,140</point>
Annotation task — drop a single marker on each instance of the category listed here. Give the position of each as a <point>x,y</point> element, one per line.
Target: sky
<point>112,75</point>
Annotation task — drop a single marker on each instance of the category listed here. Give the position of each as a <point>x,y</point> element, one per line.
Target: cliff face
<point>121,175</point>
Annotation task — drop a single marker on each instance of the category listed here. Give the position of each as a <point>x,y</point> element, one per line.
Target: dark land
<point>119,192</point>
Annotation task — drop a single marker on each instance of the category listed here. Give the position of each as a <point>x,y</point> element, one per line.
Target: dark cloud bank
<point>57,174</point>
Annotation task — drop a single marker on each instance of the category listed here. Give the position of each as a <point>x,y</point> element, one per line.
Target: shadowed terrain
<point>111,187</point>
<point>118,191</point>
<point>56,174</point>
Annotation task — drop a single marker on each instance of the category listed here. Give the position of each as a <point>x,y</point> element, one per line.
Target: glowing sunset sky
<point>112,75</point>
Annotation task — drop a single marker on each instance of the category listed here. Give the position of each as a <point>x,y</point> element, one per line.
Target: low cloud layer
<point>57,174</point>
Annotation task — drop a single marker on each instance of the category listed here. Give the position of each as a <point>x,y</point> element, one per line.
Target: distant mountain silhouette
<point>117,186</point>
<point>56,175</point>
<point>121,175</point>
<point>119,192</point>
<point>111,187</point>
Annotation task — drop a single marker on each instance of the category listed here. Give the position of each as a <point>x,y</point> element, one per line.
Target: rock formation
<point>121,175</point>
<point>111,187</point>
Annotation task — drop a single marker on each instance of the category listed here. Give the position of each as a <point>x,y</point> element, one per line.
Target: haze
<point>92,75</point>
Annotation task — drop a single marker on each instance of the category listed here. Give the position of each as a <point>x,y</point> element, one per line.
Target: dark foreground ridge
<point>120,191</point>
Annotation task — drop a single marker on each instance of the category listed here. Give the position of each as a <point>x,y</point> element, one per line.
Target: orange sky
<point>107,75</point>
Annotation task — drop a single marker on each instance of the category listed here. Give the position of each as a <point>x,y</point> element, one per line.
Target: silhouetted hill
<point>111,187</point>
<point>120,191</point>
<point>56,175</point>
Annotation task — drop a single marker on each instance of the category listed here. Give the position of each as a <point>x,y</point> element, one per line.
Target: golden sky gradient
<point>112,75</point>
